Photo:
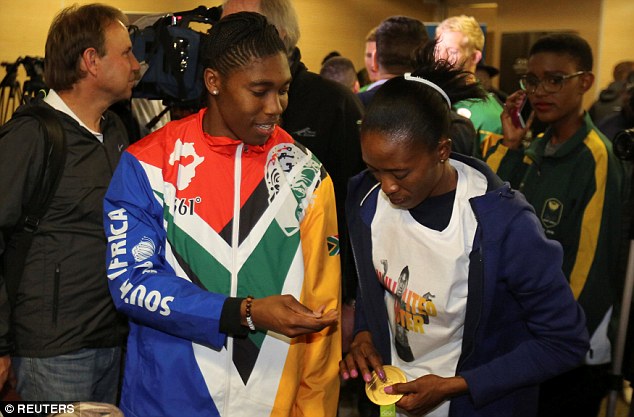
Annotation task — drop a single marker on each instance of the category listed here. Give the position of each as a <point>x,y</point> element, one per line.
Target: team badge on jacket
<point>551,212</point>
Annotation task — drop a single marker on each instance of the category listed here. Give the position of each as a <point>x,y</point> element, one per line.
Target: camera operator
<point>624,119</point>
<point>624,150</point>
<point>619,128</point>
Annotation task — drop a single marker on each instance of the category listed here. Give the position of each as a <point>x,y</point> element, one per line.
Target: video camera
<point>623,144</point>
<point>169,50</point>
<point>34,67</point>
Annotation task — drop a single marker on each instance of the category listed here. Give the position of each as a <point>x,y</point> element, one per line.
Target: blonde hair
<point>371,36</point>
<point>468,26</point>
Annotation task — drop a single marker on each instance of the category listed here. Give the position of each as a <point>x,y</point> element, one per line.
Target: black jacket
<point>324,116</point>
<point>62,303</point>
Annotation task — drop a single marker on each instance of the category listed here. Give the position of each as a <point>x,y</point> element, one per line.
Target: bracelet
<point>248,313</point>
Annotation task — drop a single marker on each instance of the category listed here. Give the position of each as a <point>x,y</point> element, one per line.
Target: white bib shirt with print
<point>425,273</point>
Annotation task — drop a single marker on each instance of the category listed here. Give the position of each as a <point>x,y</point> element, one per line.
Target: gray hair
<point>282,15</point>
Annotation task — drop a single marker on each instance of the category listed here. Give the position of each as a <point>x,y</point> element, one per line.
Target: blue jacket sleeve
<point>509,164</point>
<point>143,285</point>
<point>554,338</point>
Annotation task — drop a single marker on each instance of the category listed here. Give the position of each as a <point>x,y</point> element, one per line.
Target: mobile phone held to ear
<point>516,115</point>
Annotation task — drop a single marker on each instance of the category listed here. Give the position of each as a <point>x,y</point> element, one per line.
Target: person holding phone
<point>573,180</point>
<point>516,113</point>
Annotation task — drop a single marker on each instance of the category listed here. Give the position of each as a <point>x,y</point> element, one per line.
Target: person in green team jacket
<point>573,180</point>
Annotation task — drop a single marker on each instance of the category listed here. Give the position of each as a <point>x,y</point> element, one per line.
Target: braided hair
<point>237,39</point>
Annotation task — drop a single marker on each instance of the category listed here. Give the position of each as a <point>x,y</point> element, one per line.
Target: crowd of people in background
<point>280,246</point>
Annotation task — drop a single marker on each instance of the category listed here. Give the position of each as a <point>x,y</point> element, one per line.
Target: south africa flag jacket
<point>192,219</point>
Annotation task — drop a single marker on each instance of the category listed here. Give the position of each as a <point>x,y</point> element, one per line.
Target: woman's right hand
<point>514,135</point>
<point>285,315</point>
<point>361,358</point>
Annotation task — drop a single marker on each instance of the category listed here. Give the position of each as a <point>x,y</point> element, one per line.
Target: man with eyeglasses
<point>573,180</point>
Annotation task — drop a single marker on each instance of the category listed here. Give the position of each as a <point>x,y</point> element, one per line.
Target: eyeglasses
<point>550,84</point>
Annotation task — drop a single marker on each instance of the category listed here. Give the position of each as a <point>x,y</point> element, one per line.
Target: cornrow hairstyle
<point>237,39</point>
<point>565,43</point>
<point>414,112</point>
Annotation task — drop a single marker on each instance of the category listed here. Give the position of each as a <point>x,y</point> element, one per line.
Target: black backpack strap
<point>54,159</point>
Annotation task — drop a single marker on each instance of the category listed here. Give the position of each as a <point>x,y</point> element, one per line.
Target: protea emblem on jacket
<point>551,212</point>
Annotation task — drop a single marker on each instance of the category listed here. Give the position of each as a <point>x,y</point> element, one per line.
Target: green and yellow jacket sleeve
<point>509,164</point>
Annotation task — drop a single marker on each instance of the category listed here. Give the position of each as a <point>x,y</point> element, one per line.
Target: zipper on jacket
<point>105,147</point>
<point>465,356</point>
<point>56,293</point>
<point>235,236</point>
<point>235,227</point>
<point>105,150</point>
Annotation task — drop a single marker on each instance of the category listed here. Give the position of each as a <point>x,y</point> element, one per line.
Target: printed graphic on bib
<point>411,311</point>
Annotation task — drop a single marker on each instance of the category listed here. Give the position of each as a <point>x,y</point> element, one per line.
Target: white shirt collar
<point>377,84</point>
<point>55,101</point>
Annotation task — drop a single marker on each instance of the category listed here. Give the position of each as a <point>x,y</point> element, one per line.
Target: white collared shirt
<point>55,101</point>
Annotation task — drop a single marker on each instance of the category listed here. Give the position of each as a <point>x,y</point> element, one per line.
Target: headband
<point>408,76</point>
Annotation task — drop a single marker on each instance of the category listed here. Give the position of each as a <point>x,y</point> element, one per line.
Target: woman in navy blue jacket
<point>458,285</point>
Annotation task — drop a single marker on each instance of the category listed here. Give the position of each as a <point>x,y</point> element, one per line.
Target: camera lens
<point>623,144</point>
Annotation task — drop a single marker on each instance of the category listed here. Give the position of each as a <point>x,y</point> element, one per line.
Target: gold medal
<point>375,388</point>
